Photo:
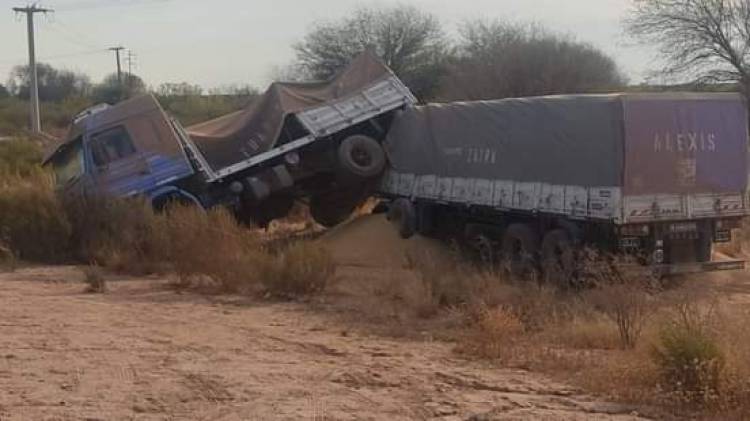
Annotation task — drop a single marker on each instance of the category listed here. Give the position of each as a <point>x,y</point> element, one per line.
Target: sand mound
<point>372,241</point>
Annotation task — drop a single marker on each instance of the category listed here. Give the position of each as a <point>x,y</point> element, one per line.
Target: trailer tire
<point>361,156</point>
<point>404,217</point>
<point>558,258</point>
<point>520,247</point>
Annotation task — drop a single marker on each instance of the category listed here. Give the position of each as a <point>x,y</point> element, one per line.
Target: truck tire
<point>559,258</point>
<point>482,239</point>
<point>327,211</point>
<point>403,216</point>
<point>520,247</point>
<point>361,156</point>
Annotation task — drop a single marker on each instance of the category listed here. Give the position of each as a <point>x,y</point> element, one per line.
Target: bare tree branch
<point>701,40</point>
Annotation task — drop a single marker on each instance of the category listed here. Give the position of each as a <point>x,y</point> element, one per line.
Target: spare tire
<point>404,217</point>
<point>361,156</point>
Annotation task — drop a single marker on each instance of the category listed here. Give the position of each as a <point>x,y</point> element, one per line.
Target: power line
<point>72,36</point>
<point>98,4</point>
<point>58,56</point>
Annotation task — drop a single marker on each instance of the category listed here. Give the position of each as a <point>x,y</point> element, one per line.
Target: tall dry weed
<point>210,248</point>
<point>32,221</point>
<point>302,269</point>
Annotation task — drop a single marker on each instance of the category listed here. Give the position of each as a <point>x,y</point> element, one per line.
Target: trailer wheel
<point>520,247</point>
<point>361,156</point>
<point>558,258</point>
<point>403,216</point>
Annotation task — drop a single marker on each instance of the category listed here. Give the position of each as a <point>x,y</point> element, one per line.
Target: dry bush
<point>492,334</point>
<point>32,222</point>
<point>20,158</point>
<point>734,340</point>
<point>120,234</point>
<point>303,268</point>
<point>593,332</point>
<point>210,247</point>
<point>447,280</point>
<point>94,278</point>
<point>8,258</point>
<point>626,305</point>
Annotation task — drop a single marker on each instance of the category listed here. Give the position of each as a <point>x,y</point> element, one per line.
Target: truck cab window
<point>68,165</point>
<point>111,145</point>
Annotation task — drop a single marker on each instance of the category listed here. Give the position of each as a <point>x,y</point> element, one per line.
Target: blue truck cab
<point>131,149</point>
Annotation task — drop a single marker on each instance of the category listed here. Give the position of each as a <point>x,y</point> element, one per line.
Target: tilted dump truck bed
<point>625,158</point>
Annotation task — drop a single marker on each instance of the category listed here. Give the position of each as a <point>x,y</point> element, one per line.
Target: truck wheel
<point>403,216</point>
<point>329,212</point>
<point>361,156</point>
<point>485,248</point>
<point>520,247</point>
<point>558,258</point>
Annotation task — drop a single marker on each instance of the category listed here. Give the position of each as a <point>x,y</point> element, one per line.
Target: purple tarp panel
<point>685,144</point>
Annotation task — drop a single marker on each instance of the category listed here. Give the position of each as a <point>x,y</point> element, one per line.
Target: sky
<point>224,42</point>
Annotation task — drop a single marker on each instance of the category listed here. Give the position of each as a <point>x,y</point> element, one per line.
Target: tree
<point>409,41</point>
<point>54,84</point>
<point>111,91</point>
<point>501,59</point>
<point>703,40</point>
<point>179,89</point>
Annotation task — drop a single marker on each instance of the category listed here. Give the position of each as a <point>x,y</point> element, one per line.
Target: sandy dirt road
<point>143,352</point>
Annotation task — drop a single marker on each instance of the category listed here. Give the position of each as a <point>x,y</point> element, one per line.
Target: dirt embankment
<point>144,352</point>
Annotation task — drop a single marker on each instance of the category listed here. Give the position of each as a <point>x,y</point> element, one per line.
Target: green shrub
<point>690,361</point>
<point>304,268</point>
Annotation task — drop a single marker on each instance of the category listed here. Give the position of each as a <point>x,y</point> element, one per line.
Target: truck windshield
<point>68,164</point>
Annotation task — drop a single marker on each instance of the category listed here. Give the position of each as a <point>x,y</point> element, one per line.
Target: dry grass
<point>94,279</point>
<point>304,268</point>
<point>492,333</point>
<point>32,221</point>
<point>621,337</point>
<point>121,235</point>
<point>628,306</point>
<point>209,249</point>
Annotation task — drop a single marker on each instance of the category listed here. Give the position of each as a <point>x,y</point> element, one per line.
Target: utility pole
<point>36,123</point>
<point>130,58</point>
<point>119,68</point>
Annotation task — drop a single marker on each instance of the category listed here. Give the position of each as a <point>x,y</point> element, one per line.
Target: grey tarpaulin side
<point>564,140</point>
<point>233,138</point>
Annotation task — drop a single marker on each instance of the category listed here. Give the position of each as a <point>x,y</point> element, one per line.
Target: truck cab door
<point>117,167</point>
